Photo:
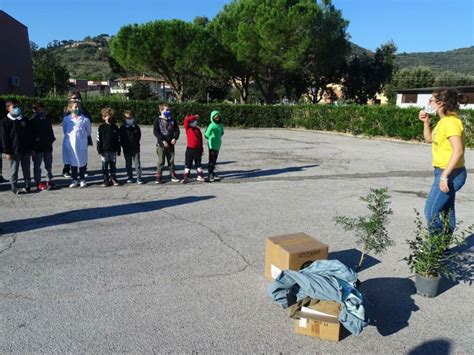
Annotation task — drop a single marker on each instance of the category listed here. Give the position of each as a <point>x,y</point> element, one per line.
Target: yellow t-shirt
<point>448,126</point>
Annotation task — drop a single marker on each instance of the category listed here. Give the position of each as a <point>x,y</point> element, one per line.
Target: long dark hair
<point>451,98</point>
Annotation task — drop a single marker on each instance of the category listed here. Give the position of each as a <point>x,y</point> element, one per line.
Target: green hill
<point>458,60</point>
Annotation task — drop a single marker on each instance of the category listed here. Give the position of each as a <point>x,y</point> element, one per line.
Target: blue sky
<point>414,25</point>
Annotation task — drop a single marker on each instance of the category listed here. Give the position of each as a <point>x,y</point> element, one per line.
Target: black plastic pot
<point>427,286</point>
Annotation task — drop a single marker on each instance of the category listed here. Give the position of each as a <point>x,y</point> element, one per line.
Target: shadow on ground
<point>350,258</point>
<point>392,303</point>
<point>95,213</point>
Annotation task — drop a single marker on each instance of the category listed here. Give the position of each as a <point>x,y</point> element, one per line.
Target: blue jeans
<point>439,201</point>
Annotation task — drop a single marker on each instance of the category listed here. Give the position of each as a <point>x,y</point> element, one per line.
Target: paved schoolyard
<point>179,269</point>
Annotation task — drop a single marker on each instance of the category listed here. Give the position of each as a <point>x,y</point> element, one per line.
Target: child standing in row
<point>166,131</point>
<point>214,134</point>
<point>194,148</point>
<point>108,146</point>
<point>16,140</point>
<point>130,135</point>
<point>43,138</point>
<point>76,128</point>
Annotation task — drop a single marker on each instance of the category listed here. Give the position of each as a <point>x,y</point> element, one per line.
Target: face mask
<point>193,124</point>
<point>16,112</point>
<point>167,114</point>
<point>430,110</point>
<point>129,121</point>
<point>76,111</point>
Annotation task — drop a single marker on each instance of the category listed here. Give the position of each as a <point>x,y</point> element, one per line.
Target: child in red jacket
<point>193,148</point>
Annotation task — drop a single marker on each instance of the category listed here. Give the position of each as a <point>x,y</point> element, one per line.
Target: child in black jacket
<point>108,146</point>
<point>166,131</point>
<point>130,135</point>
<point>17,143</point>
<point>43,138</point>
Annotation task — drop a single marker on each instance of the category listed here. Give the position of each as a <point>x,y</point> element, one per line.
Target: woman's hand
<point>443,185</point>
<point>423,116</point>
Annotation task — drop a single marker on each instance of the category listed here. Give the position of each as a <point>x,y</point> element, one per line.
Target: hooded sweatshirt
<point>214,132</point>
<point>193,134</point>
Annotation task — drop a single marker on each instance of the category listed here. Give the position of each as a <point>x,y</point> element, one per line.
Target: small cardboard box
<point>321,320</point>
<point>292,252</point>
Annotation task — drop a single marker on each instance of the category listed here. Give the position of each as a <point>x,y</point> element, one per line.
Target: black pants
<point>109,161</point>
<point>193,155</point>
<point>212,160</point>
<point>67,168</point>
<point>82,171</point>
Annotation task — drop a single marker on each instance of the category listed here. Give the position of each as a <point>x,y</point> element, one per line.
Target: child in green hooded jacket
<point>213,134</point>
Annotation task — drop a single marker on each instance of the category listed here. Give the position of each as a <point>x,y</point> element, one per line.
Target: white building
<point>419,97</point>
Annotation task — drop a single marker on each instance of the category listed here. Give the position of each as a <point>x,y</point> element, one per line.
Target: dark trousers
<point>213,154</point>
<point>82,171</point>
<point>39,158</point>
<point>135,158</point>
<point>193,155</point>
<point>109,161</point>
<point>22,159</point>
<point>67,168</point>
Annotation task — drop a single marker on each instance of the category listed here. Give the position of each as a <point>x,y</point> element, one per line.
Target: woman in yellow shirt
<point>447,140</point>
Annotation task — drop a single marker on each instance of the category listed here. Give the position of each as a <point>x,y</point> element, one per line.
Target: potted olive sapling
<point>431,254</point>
<point>371,231</point>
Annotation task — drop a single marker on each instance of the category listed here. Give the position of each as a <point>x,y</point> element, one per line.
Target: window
<point>409,98</point>
<point>470,97</point>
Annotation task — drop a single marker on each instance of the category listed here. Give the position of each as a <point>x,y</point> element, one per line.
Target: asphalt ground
<point>177,268</point>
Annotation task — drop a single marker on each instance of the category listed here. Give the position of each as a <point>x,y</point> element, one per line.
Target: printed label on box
<point>275,271</point>
<point>303,322</point>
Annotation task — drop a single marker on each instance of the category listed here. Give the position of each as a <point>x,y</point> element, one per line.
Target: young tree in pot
<point>371,231</point>
<point>431,255</point>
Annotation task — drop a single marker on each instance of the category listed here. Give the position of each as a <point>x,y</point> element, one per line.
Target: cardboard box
<point>321,320</point>
<point>292,252</point>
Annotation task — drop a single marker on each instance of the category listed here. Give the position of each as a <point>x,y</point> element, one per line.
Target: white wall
<point>422,100</point>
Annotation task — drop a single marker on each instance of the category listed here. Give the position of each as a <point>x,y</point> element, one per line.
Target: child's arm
<point>157,131</point>
<point>117,145</point>
<point>99,140</point>
<point>139,135</point>
<point>176,131</point>
<point>186,122</point>
<point>208,132</point>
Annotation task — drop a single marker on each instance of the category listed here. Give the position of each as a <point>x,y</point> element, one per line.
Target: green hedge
<point>386,121</point>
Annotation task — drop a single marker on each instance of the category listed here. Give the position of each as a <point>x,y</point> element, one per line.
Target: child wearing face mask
<point>166,131</point>
<point>213,134</point>
<point>76,128</point>
<point>193,148</point>
<point>17,142</point>
<point>43,138</point>
<point>130,135</point>
<point>108,146</point>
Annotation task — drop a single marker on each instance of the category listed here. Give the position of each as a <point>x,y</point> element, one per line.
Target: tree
<point>140,91</point>
<point>409,78</point>
<point>174,49</point>
<point>450,78</point>
<point>371,231</point>
<point>49,75</point>
<point>366,75</point>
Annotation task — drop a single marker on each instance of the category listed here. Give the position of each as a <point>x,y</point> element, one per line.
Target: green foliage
<point>458,60</point>
<point>370,231</point>
<point>430,254</point>
<point>366,75</point>
<point>140,91</point>
<point>49,76</point>
<point>371,121</point>
<point>175,49</point>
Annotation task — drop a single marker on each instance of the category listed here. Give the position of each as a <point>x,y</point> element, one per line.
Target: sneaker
<point>106,183</point>
<point>200,178</point>
<point>83,183</point>
<point>41,186</point>
<point>115,182</point>
<point>174,178</point>
<point>86,174</point>
<point>74,183</point>
<point>211,178</point>
<point>159,179</point>
<point>129,181</point>
<point>67,175</point>
<point>139,181</point>
<point>185,178</point>
<point>22,191</point>
<point>216,178</point>
<point>49,184</point>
